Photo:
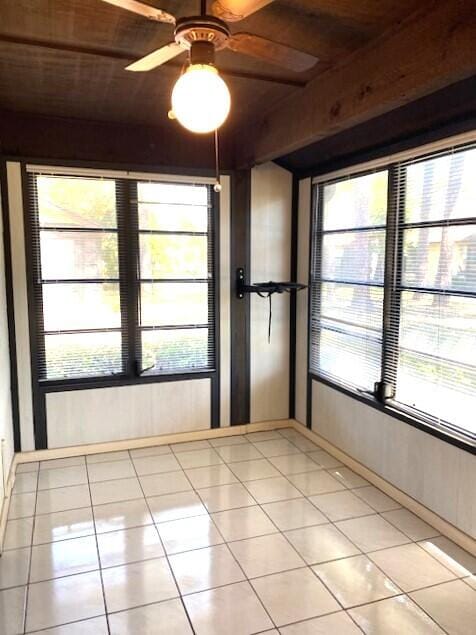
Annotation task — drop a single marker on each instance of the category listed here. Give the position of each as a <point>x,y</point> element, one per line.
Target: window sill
<point>460,440</point>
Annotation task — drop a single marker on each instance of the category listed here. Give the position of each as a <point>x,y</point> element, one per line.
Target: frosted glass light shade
<point>201,99</point>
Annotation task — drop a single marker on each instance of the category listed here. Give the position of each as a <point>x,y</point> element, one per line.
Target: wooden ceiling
<point>66,57</point>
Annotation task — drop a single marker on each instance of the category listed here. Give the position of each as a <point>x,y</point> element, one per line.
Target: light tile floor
<point>263,533</point>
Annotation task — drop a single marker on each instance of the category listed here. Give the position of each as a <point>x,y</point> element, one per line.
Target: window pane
<point>82,355</point>
<point>68,307</point>
<point>440,257</point>
<point>75,255</point>
<point>356,202</point>
<point>175,350</point>
<point>180,218</point>
<point>352,304</point>
<point>166,304</point>
<point>174,193</point>
<point>173,257</point>
<point>441,188</point>
<point>76,202</point>
<point>354,256</point>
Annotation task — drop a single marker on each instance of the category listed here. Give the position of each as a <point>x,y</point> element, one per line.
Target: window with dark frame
<point>123,277</point>
<point>396,318</point>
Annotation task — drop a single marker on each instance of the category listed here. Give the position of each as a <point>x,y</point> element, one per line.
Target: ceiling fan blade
<point>157,58</point>
<point>271,52</point>
<point>234,10</point>
<point>143,9</point>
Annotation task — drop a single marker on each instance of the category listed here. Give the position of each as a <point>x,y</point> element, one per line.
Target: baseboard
<point>443,526</point>
<point>5,506</point>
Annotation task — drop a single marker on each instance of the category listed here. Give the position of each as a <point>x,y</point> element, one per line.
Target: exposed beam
<point>431,49</point>
<point>130,57</point>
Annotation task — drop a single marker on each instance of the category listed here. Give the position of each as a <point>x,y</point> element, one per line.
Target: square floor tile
<point>167,483</point>
<point>338,623</point>
<point>265,554</point>
<point>222,497</point>
<point>22,505</point>
<point>189,533</point>
<point>276,447</point>
<point>294,463</point>
<point>139,583</point>
<point>93,626</point>
<point>190,445</point>
<point>236,524</point>
<point>318,482</point>
<point>203,569</point>
<point>294,595</point>
<point>129,545</point>
<point>370,533</point>
<point>12,611</point>
<point>303,444</point>
<point>349,478</point>
<point>26,482</point>
<point>254,470</point>
<point>199,458</point>
<point>410,524</point>
<point>450,555</point>
<point>236,439</point>
<point>411,567</point>
<point>14,566</point>
<point>240,452</point>
<point>65,557</point>
<point>324,459</point>
<point>211,475</point>
<point>54,464</point>
<point>269,490</point>
<point>111,470</point>
<point>31,466</point>
<point>153,450</point>
<point>395,616</point>
<point>452,605</point>
<point>341,505</point>
<point>63,477</point>
<point>232,609</point>
<point>355,581</point>
<point>62,499</point>
<point>321,543</point>
<point>64,600</point>
<point>175,506</point>
<point>114,491</point>
<point>121,515</point>
<point>107,457</point>
<point>156,464</point>
<point>163,618</point>
<point>73,523</point>
<point>265,435</point>
<point>294,514</point>
<point>376,499</point>
<point>18,533</point>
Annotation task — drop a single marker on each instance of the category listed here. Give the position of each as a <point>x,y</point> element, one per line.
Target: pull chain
<point>217,186</point>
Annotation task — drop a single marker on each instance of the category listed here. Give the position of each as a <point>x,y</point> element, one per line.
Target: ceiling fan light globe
<point>201,99</point>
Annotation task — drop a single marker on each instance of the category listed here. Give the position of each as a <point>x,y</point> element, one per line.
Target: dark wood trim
<point>312,229</point>
<point>216,376</point>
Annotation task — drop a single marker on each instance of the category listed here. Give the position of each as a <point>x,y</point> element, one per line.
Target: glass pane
<point>68,307</point>
<point>167,304</point>
<point>78,255</point>
<point>356,202</point>
<point>82,355</point>
<point>175,257</point>
<point>173,193</point>
<point>440,257</point>
<point>358,305</point>
<point>180,218</point>
<point>76,202</point>
<point>441,188</point>
<point>354,256</point>
<point>175,350</point>
<point>350,355</point>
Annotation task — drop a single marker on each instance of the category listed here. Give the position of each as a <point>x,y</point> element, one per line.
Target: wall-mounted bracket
<point>263,289</point>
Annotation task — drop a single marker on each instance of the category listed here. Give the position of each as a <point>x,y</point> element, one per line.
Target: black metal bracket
<point>264,289</point>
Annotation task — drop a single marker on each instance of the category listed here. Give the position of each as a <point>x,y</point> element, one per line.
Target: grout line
<point>27,590</point>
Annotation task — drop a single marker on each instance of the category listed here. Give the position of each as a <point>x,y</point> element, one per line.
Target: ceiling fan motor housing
<point>203,35</point>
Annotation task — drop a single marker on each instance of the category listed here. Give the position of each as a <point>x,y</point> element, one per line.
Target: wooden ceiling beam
<point>431,49</point>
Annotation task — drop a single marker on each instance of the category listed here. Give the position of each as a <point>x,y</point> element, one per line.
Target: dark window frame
<point>393,287</point>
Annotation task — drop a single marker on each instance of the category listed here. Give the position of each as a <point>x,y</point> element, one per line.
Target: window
<point>393,286</point>
<point>123,276</point>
